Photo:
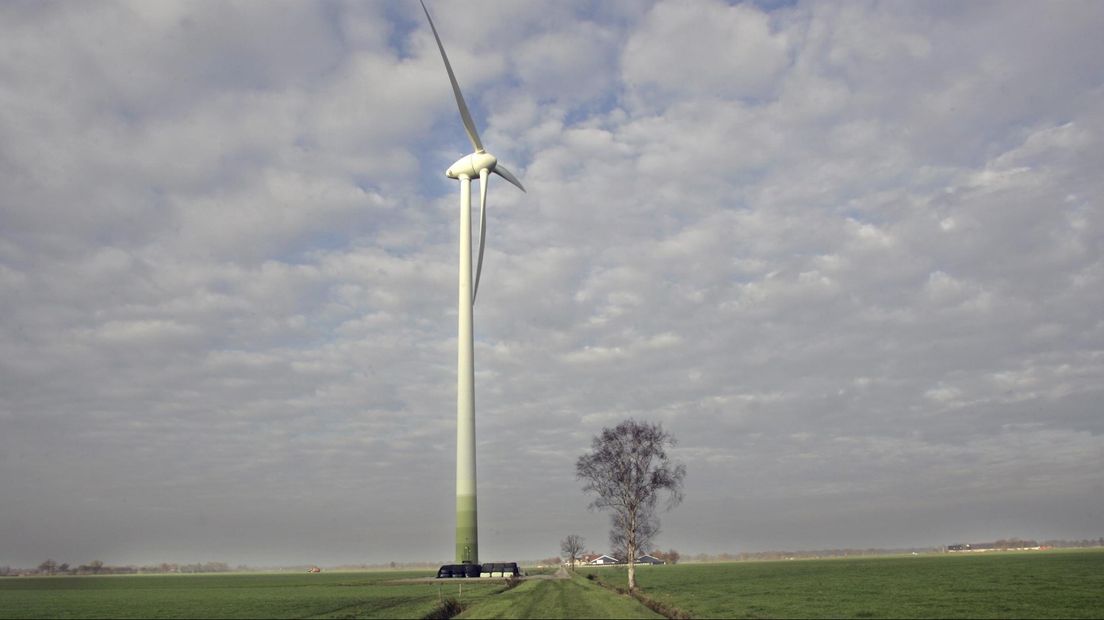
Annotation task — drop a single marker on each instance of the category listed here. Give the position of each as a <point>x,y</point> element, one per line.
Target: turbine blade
<point>501,171</point>
<point>465,116</point>
<point>483,178</point>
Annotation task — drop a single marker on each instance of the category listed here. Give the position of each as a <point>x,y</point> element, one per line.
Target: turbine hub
<point>470,165</point>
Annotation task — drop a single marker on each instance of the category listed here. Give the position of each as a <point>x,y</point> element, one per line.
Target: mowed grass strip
<point>1000,585</point>
<point>326,595</point>
<point>558,598</point>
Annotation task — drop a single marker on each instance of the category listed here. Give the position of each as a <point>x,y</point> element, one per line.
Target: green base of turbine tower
<point>467,536</point>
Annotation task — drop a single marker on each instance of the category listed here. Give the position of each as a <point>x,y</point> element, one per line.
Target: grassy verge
<point>662,608</point>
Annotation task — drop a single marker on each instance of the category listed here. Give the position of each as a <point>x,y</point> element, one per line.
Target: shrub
<point>447,609</point>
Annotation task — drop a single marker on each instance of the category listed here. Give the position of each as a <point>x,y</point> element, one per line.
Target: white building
<point>604,559</point>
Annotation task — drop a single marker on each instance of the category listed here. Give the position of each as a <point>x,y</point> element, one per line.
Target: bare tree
<point>627,468</point>
<point>571,547</point>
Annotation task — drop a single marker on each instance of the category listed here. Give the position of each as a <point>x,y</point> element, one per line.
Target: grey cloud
<point>708,49</point>
<point>859,283</point>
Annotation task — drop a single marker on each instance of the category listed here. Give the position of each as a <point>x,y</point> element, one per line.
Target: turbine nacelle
<point>470,165</point>
<point>479,164</point>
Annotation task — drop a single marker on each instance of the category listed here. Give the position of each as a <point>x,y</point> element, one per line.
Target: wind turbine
<point>478,164</point>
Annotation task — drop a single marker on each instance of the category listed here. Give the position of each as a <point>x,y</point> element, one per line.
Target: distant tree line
<point>1004,543</point>
<point>805,554</point>
<point>671,556</point>
<point>1075,544</point>
<point>51,567</point>
<point>96,567</point>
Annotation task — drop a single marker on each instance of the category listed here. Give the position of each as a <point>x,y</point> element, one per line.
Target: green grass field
<point>325,595</point>
<point>1006,585</point>
<point>1062,584</point>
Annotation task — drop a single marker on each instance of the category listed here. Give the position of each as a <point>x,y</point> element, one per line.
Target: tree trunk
<point>632,566</point>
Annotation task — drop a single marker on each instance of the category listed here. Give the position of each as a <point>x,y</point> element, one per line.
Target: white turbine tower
<point>478,164</point>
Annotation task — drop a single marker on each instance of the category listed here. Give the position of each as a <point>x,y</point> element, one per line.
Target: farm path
<point>558,597</point>
<point>559,574</point>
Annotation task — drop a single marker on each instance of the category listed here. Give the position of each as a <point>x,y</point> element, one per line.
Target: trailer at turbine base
<point>490,570</point>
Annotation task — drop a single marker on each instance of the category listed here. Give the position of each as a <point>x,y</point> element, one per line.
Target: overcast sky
<point>851,255</point>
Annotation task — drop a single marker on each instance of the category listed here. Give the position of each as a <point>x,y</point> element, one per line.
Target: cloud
<point>849,255</point>
<point>710,49</point>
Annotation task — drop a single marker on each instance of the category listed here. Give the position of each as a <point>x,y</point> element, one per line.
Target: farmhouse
<point>604,559</point>
<point>649,559</point>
